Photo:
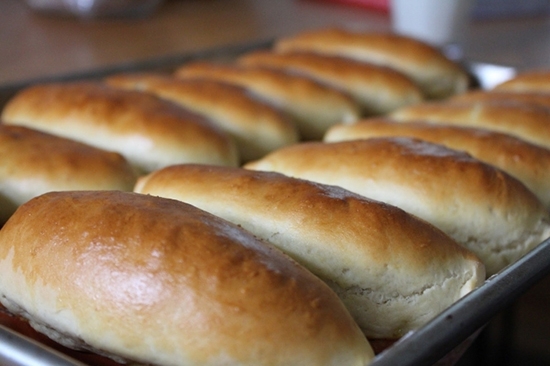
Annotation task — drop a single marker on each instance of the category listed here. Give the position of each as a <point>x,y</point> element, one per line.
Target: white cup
<point>442,23</point>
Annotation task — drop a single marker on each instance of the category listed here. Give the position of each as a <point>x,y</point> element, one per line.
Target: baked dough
<point>149,132</point>
<point>393,271</point>
<point>438,76</point>
<point>525,161</point>
<point>34,162</point>
<point>157,281</point>
<point>534,81</point>
<point>527,121</point>
<point>500,97</point>
<point>314,107</point>
<point>481,207</point>
<point>377,89</point>
<point>256,127</point>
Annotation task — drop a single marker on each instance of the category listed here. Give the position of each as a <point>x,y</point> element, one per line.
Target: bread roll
<point>160,282</point>
<point>149,132</point>
<point>528,122</point>
<point>438,76</point>
<point>527,162</point>
<point>479,206</point>
<point>257,127</point>
<point>377,89</point>
<point>501,97</point>
<point>314,107</point>
<point>535,81</point>
<point>381,276</point>
<point>33,162</point>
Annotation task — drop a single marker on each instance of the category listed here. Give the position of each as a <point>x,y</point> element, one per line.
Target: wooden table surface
<point>34,46</point>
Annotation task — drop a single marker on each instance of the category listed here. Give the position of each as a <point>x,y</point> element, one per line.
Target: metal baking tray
<point>454,329</point>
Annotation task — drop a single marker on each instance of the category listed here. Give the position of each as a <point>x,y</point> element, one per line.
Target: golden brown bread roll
<point>500,97</point>
<point>34,162</point>
<point>377,89</point>
<point>149,132</point>
<point>528,122</point>
<point>257,127</point>
<point>527,162</point>
<point>438,76</point>
<point>535,81</point>
<point>314,107</point>
<point>160,282</point>
<point>481,207</point>
<point>378,258</point>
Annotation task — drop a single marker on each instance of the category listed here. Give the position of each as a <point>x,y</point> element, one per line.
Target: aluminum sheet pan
<point>425,346</point>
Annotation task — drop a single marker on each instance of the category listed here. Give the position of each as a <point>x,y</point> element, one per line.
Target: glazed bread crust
<point>504,97</point>
<point>314,107</point>
<point>529,122</point>
<point>535,81</point>
<point>393,271</point>
<point>377,89</point>
<point>481,207</point>
<point>256,127</point>
<point>525,161</point>
<point>34,162</point>
<point>438,76</point>
<point>149,132</point>
<point>160,282</point>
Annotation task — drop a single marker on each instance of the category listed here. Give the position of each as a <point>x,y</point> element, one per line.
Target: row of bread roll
<point>525,161</point>
<point>87,135</point>
<point>506,127</point>
<point>312,106</point>
<point>148,131</point>
<point>393,271</point>
<point>156,281</point>
<point>34,162</point>
<point>437,76</point>
<point>531,86</point>
<point>509,132</point>
<point>256,127</point>
<point>528,121</point>
<point>376,89</point>
<point>319,87</point>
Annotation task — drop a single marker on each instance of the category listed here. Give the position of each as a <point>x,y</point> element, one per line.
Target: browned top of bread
<point>526,121</point>
<point>148,131</point>
<point>375,88</point>
<point>527,81</point>
<point>436,75</point>
<point>500,97</point>
<point>34,162</point>
<point>159,281</point>
<point>528,162</point>
<point>378,258</point>
<point>481,207</point>
<point>313,106</point>
<point>256,126</point>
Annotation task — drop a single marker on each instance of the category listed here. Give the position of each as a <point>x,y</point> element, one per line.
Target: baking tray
<point>442,340</point>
